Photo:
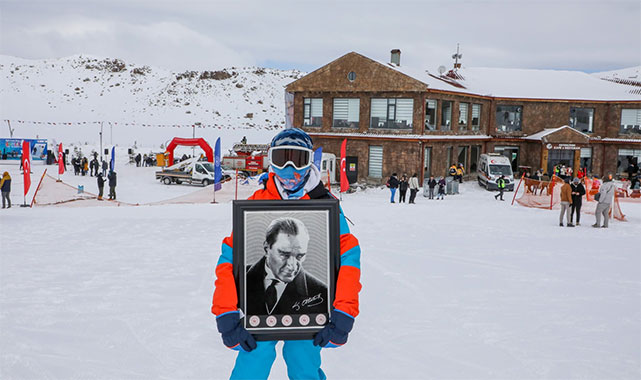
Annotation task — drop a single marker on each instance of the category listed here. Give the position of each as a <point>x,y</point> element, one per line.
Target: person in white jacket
<point>606,196</point>
<point>413,187</point>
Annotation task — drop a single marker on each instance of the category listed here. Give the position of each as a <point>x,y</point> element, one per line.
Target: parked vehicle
<point>328,167</point>
<point>248,158</point>
<point>491,167</point>
<point>191,171</point>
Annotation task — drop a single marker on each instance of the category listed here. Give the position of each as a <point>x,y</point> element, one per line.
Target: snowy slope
<point>465,288</point>
<point>138,102</point>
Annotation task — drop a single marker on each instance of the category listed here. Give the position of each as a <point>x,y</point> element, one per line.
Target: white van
<point>328,166</point>
<point>491,167</point>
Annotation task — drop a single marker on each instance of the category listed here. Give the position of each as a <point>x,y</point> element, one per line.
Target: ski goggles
<point>297,156</point>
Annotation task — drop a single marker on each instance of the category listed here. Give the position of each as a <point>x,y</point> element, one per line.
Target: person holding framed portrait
<point>279,289</point>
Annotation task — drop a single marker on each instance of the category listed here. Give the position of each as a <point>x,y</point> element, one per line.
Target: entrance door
<point>512,153</point>
<point>559,156</point>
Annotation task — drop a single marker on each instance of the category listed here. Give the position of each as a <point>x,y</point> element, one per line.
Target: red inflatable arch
<point>189,142</point>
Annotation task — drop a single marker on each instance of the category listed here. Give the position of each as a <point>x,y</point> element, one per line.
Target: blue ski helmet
<point>292,137</point>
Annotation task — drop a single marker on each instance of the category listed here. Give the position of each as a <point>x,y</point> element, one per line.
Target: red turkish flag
<point>26,165</point>
<point>344,182</point>
<point>61,162</point>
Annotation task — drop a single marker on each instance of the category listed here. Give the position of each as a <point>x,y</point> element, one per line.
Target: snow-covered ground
<point>468,287</point>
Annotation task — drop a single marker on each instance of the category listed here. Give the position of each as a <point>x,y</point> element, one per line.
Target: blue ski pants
<point>393,190</point>
<point>303,360</point>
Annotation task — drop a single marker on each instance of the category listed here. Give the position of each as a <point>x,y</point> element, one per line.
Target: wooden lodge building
<point>404,120</point>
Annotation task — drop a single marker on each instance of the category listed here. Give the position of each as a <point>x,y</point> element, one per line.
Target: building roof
<point>522,83</point>
<point>549,131</point>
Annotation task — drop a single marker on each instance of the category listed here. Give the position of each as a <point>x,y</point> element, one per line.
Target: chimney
<point>396,57</point>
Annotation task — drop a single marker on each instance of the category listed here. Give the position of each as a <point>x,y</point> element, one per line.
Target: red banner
<point>344,182</point>
<point>61,162</point>
<point>26,165</point>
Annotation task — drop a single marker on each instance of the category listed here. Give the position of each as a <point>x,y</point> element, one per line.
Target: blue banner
<point>217,171</point>
<point>318,156</point>
<point>11,149</point>
<point>112,163</point>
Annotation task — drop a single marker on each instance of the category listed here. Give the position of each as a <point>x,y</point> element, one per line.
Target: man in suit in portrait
<point>278,283</point>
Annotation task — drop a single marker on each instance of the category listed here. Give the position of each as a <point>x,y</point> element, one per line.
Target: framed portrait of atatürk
<point>286,261</point>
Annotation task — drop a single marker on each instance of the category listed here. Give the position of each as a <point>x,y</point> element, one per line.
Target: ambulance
<point>491,167</point>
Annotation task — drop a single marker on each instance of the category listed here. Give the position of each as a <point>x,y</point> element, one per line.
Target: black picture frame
<point>306,312</point>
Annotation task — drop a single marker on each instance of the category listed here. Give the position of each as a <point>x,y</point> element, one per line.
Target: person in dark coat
<point>112,185</point>
<point>431,184</point>
<point>441,188</point>
<point>105,166</point>
<point>101,185</point>
<point>5,188</point>
<point>578,191</point>
<point>138,158</point>
<point>402,189</point>
<point>392,183</point>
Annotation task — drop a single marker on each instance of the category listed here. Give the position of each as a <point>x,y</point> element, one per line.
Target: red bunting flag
<point>26,165</point>
<point>344,182</point>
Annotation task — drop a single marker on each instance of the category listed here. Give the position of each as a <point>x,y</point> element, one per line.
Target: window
<point>346,112</point>
<point>586,160</point>
<point>446,115</point>
<point>427,165</point>
<point>474,158</point>
<point>630,121</point>
<point>313,112</point>
<point>508,118</point>
<point>376,161</point>
<point>476,117</point>
<point>462,116</point>
<point>462,157</point>
<point>392,113</point>
<point>626,158</point>
<point>449,158</point>
<point>430,115</point>
<point>581,119</point>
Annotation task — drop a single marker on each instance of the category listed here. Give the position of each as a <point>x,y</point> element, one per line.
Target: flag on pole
<point>26,165</point>
<point>318,156</point>
<point>217,170</point>
<point>61,162</point>
<point>344,182</point>
<point>112,163</point>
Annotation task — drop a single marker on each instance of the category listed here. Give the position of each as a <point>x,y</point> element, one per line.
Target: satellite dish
<point>441,69</point>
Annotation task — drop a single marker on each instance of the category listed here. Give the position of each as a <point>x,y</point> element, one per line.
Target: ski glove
<point>335,333</point>
<point>234,335</point>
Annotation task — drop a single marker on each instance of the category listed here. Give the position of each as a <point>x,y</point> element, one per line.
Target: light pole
<point>101,140</point>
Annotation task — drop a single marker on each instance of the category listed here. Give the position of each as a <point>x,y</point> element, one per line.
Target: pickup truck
<point>190,171</point>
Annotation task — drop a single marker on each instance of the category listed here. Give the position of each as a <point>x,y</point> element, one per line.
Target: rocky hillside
<point>88,89</point>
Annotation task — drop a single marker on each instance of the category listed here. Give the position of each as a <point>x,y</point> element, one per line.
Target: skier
<point>392,183</point>
<point>105,166</point>
<point>413,187</point>
<point>500,183</point>
<point>112,184</point>
<point>292,175</point>
<point>605,197</point>
<point>431,184</point>
<point>101,186</point>
<point>5,188</point>
<point>402,188</point>
<point>578,191</point>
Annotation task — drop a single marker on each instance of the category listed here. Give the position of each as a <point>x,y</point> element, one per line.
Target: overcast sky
<point>583,35</point>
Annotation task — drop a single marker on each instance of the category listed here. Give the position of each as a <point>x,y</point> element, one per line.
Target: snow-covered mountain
<point>82,90</point>
<point>629,77</point>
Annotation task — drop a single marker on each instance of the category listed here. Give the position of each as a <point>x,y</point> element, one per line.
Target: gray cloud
<point>581,35</point>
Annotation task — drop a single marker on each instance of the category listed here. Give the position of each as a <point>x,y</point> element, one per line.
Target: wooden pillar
<point>577,161</point>
<point>544,159</point>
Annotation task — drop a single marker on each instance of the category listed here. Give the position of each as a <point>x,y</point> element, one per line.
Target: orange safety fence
<point>547,195</point>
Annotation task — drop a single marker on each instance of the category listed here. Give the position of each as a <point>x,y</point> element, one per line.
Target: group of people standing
<point>457,172</point>
<point>572,200</point>
<point>144,160</point>
<point>402,185</point>
<point>111,181</point>
<point>82,166</point>
<point>431,185</point>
